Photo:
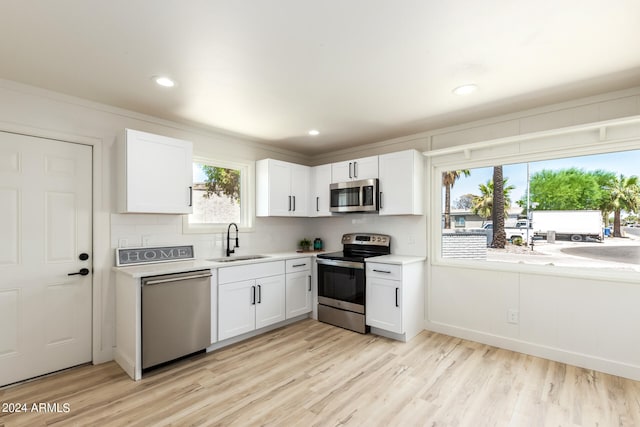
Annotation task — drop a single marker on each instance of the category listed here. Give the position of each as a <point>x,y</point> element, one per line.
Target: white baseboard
<point>581,360</point>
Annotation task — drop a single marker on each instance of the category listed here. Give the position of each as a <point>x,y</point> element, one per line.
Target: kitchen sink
<point>238,258</point>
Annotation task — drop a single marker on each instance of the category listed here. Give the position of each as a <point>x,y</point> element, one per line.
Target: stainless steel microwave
<point>354,196</point>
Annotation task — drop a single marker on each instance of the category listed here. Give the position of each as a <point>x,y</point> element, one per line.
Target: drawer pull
<point>299,265</point>
<point>382,271</point>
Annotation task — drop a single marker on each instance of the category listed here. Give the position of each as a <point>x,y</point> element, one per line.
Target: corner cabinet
<point>282,188</point>
<point>298,286</point>
<point>155,174</point>
<point>352,170</point>
<point>250,297</point>
<point>395,299</point>
<point>401,183</point>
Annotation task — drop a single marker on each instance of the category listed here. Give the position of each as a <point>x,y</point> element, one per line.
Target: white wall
<point>589,322</point>
<point>586,318</point>
<point>32,111</point>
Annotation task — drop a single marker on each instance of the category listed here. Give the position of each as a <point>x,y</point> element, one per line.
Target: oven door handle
<point>340,263</point>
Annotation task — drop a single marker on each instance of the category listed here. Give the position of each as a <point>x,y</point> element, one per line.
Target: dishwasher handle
<point>175,279</point>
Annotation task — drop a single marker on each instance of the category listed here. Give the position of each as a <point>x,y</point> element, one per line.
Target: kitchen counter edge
<point>145,270</point>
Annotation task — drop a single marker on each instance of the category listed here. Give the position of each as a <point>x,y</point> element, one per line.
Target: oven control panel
<point>366,239</point>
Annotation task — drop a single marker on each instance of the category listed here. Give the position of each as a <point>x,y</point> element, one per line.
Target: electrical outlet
<point>513,316</point>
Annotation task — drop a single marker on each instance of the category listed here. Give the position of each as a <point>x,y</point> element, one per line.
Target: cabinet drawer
<point>249,271</point>
<point>298,264</point>
<point>384,271</point>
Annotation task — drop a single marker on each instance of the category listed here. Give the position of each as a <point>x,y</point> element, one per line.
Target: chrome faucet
<point>237,245</point>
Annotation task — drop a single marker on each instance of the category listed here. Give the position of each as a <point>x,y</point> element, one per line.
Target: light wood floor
<point>310,374</point>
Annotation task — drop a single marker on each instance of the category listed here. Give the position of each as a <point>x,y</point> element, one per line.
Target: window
<point>574,211</point>
<point>220,196</point>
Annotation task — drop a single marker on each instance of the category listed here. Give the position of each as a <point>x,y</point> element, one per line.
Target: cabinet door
<point>270,301</point>
<point>401,183</point>
<point>320,194</point>
<point>298,299</point>
<point>341,171</point>
<point>236,309</point>
<point>280,202</point>
<point>158,174</point>
<point>300,190</point>
<point>365,168</point>
<point>384,304</point>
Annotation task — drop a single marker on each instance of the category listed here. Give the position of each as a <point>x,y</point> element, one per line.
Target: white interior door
<point>45,224</point>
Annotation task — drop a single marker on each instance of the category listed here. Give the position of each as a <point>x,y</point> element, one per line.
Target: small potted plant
<point>305,244</point>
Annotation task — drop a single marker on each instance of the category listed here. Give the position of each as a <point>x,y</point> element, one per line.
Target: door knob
<point>82,272</point>
<point>83,256</point>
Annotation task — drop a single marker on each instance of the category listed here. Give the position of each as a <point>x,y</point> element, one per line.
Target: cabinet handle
<point>190,196</point>
<point>317,204</point>
<point>253,295</point>
<point>289,203</point>
<point>397,297</point>
<point>382,271</point>
<point>381,200</point>
<point>260,294</point>
<point>309,283</point>
<point>355,169</point>
<point>350,170</point>
<point>294,203</point>
<point>299,265</point>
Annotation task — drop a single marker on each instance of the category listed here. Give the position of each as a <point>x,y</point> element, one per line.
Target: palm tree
<point>625,195</point>
<point>499,235</point>
<point>483,205</point>
<point>448,179</point>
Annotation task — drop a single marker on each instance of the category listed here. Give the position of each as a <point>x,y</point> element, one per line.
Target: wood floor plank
<point>313,374</point>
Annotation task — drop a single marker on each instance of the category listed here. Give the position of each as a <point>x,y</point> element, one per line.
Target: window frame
<point>247,197</point>
<point>547,145</point>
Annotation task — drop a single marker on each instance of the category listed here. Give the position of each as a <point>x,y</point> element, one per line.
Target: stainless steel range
<point>341,280</point>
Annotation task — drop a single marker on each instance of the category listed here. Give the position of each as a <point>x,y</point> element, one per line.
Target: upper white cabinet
<point>401,183</point>
<point>155,174</point>
<point>320,194</point>
<point>282,188</point>
<point>364,168</point>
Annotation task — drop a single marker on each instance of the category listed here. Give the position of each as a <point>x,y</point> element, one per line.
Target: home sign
<point>134,256</point>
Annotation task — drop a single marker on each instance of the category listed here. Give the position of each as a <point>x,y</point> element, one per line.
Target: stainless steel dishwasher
<point>176,316</point>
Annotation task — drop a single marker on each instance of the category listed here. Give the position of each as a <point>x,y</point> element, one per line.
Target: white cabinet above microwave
<point>353,170</point>
<point>155,174</point>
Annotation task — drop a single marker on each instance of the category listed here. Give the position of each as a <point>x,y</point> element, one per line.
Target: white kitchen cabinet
<point>401,183</point>
<point>155,174</point>
<point>320,194</point>
<point>395,299</point>
<point>282,188</point>
<point>298,287</point>
<point>352,170</point>
<point>250,297</point>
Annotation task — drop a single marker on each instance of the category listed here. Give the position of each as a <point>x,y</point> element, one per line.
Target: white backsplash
<point>408,233</point>
<point>269,234</point>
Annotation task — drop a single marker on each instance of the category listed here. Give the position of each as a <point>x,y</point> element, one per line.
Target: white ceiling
<point>360,71</point>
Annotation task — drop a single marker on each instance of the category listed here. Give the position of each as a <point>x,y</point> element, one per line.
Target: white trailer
<point>576,226</point>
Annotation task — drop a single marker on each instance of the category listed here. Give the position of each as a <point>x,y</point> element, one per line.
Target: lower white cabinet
<point>298,287</point>
<point>395,299</point>
<point>246,305</point>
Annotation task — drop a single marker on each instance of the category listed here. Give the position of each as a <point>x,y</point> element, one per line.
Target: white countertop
<point>144,270</point>
<point>397,259</point>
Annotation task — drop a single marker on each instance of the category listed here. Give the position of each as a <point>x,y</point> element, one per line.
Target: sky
<point>625,162</point>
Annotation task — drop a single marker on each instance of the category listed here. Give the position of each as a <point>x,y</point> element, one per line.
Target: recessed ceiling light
<point>314,132</point>
<point>164,81</point>
<point>465,89</point>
